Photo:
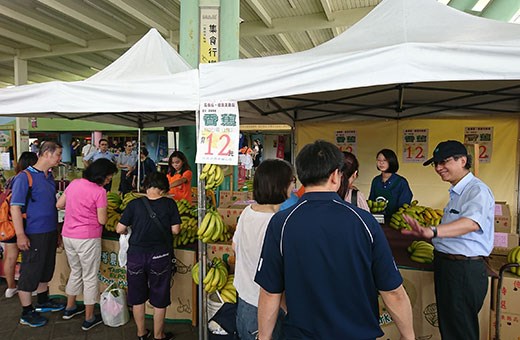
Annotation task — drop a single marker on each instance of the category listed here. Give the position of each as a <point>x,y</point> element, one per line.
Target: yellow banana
<point>204,225</point>
<point>209,276</point>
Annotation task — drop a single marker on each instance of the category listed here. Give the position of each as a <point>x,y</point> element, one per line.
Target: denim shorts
<point>149,277</point>
<point>247,322</point>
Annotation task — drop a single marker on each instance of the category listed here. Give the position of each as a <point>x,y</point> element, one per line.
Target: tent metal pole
<point>202,248</point>
<point>138,184</point>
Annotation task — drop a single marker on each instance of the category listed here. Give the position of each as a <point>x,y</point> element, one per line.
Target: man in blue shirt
<point>102,152</point>
<point>39,237</point>
<point>462,243</point>
<point>330,259</point>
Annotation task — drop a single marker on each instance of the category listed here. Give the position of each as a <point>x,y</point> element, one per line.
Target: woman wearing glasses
<point>389,185</point>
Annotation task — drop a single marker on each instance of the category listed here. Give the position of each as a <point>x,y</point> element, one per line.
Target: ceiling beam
<point>261,12</point>
<point>67,66</point>
<point>245,52</point>
<point>167,7</point>
<point>336,31</point>
<point>66,49</point>
<point>38,24</point>
<point>286,43</point>
<point>312,38</point>
<point>52,73</point>
<point>88,62</point>
<point>85,19</point>
<point>7,49</point>
<point>110,55</point>
<point>301,23</point>
<point>140,15</point>
<point>4,32</point>
<point>327,8</point>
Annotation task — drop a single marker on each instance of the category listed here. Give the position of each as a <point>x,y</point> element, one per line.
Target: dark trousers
<point>126,182</point>
<point>460,289</point>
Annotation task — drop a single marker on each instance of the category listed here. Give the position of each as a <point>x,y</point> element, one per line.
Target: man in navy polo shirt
<point>330,259</point>
<point>39,237</point>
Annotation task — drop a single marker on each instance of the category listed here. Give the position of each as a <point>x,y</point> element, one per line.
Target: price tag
<point>483,136</point>
<point>347,140</point>
<point>218,133</point>
<point>415,145</point>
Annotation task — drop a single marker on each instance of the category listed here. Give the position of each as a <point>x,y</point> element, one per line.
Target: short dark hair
<point>144,151</point>
<point>99,170</point>
<point>102,140</point>
<point>26,160</point>
<point>156,180</point>
<point>349,168</point>
<point>50,147</point>
<point>271,181</point>
<point>180,155</point>
<point>391,158</point>
<point>317,161</point>
<point>469,160</point>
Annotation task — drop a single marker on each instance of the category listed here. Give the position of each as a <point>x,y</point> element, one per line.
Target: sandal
<point>146,336</point>
<point>167,336</point>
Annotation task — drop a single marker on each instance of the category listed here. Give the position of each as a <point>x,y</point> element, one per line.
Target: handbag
<point>156,222</point>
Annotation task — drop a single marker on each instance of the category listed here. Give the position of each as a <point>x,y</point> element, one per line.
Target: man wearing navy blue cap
<point>462,241</point>
<point>330,259</point>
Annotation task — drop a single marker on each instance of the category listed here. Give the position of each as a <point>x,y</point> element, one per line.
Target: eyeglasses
<point>443,162</point>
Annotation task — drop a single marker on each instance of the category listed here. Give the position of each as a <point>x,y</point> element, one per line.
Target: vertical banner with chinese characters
<point>415,145</point>
<point>483,136</point>
<point>347,141</point>
<point>209,35</point>
<point>218,133</point>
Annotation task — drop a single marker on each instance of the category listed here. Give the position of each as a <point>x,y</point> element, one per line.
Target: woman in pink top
<point>85,201</point>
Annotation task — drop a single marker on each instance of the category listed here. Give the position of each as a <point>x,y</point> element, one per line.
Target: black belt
<point>456,257</point>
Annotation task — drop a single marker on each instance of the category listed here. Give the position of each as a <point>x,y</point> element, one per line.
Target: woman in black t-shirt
<point>150,252</point>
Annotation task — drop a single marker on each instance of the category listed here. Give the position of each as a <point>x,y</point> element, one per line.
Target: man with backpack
<point>37,238</point>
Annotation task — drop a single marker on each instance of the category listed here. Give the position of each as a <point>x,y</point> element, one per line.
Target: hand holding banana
<point>425,216</point>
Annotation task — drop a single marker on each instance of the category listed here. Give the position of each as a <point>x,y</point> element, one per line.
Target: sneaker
<point>87,325</point>
<point>10,292</point>
<point>49,306</point>
<point>33,319</point>
<point>70,313</point>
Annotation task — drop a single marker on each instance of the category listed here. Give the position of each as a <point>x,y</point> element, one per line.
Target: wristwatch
<point>434,229</point>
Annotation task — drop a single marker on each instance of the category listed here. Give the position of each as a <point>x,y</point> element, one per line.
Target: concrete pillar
<point>65,140</point>
<point>501,10</point>
<point>22,123</point>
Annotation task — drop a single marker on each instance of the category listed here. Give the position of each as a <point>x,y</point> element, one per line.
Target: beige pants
<point>84,256</point>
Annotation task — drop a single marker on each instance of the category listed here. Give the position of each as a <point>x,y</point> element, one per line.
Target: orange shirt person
<point>179,176</point>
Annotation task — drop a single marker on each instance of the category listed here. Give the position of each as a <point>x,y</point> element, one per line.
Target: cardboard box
<point>509,294</point>
<point>228,198</point>
<point>420,288</point>
<point>509,326</point>
<point>231,214</point>
<point>503,218</point>
<point>504,242</point>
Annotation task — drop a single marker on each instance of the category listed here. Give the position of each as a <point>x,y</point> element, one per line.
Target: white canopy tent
<point>149,85</point>
<point>463,64</point>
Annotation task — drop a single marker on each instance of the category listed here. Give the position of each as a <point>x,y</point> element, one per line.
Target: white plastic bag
<point>123,248</point>
<point>114,310</point>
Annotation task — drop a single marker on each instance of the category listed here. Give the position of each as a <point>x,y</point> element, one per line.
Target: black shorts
<point>11,240</point>
<point>39,261</point>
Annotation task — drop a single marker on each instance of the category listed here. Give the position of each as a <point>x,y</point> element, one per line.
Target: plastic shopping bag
<point>114,310</point>
<point>123,248</point>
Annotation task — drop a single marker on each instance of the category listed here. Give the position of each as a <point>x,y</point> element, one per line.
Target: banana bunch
<point>377,206</point>
<point>112,221</point>
<point>114,201</point>
<point>514,257</point>
<point>213,175</point>
<point>212,227</point>
<point>228,293</point>
<point>421,251</point>
<point>426,216</point>
<point>188,232</point>
<point>186,208</point>
<point>130,196</point>
<point>216,277</point>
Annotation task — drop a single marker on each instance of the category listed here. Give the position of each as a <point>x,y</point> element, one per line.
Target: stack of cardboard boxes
<point>506,236</point>
<point>509,301</point>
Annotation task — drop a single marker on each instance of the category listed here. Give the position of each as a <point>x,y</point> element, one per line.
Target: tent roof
<point>150,83</point>
<point>422,57</point>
